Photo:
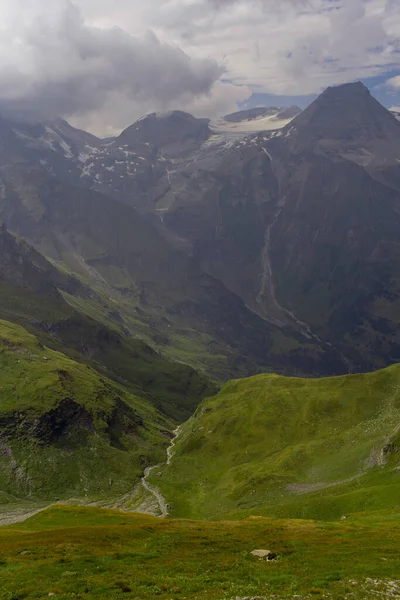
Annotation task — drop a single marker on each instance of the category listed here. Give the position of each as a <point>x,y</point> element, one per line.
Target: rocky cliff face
<point>140,282</point>
<point>299,223</point>
<point>93,436</point>
<point>22,266</point>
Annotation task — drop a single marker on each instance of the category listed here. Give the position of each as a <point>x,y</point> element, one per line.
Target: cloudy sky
<point>103,64</point>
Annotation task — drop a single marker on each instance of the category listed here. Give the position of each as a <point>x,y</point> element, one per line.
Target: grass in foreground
<point>88,553</point>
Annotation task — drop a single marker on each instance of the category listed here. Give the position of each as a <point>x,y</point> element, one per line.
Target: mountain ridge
<point>223,201</point>
<point>121,255</point>
<point>37,295</point>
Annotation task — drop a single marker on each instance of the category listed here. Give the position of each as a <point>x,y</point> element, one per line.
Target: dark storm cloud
<point>53,64</point>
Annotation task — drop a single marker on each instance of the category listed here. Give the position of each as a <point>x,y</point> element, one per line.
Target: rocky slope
<point>65,430</point>
<point>143,286</point>
<point>299,223</point>
<point>35,294</point>
<point>302,222</point>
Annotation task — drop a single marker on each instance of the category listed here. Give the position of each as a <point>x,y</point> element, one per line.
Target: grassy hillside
<point>66,430</point>
<point>290,447</point>
<point>96,554</point>
<point>37,295</point>
<point>174,388</point>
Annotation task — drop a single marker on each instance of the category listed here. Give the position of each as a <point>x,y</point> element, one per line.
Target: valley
<point>200,355</point>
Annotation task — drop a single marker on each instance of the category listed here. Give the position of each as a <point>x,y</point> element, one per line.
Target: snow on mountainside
<point>148,165</point>
<point>396,113</point>
<point>229,196</point>
<point>255,119</point>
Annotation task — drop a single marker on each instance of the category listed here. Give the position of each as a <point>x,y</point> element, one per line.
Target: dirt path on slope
<point>20,515</point>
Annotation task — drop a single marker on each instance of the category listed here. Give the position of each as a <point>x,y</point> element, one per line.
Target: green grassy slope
<point>96,554</point>
<point>66,430</point>
<point>37,295</point>
<point>292,447</point>
<point>174,388</point>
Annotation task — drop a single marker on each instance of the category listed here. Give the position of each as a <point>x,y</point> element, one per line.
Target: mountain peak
<point>345,113</point>
<point>169,131</point>
<point>355,87</point>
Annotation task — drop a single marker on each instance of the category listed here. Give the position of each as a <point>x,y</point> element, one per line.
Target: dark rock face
<point>348,121</point>
<point>334,255</point>
<point>121,423</point>
<point>172,133</point>
<point>22,266</point>
<point>68,423</point>
<point>300,224</point>
<point>303,223</point>
<point>95,237</point>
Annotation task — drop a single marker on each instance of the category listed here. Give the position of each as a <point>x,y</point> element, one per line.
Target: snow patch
<point>86,170</point>
<point>93,149</point>
<point>267,153</point>
<point>23,136</point>
<point>268,123</point>
<point>55,138</point>
<point>82,157</point>
<point>66,148</point>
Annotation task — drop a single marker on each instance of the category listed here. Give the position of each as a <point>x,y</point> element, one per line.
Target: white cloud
<point>286,47</point>
<point>53,63</point>
<point>282,46</point>
<point>394,82</point>
<point>119,111</point>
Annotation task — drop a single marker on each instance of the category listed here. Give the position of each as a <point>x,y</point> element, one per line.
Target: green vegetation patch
<point>289,447</point>
<point>91,553</point>
<point>66,430</point>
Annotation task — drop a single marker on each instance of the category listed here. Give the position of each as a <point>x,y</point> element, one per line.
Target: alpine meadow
<point>199,300</point>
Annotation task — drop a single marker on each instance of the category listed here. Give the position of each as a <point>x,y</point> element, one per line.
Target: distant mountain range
<point>92,209</point>
<point>186,252</point>
<point>276,249</point>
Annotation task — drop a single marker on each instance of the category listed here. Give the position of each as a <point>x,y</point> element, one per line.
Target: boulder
<point>263,554</point>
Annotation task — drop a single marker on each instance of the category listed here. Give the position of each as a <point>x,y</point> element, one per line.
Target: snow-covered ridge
<point>256,120</point>
<point>396,113</point>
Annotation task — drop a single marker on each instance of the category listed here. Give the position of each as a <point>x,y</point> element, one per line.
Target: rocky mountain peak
<point>343,116</point>
<point>171,131</point>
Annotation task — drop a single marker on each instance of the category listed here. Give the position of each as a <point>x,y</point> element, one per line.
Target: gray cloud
<point>219,4</point>
<point>52,63</point>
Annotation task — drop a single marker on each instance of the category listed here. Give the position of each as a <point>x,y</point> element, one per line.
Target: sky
<point>103,64</point>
